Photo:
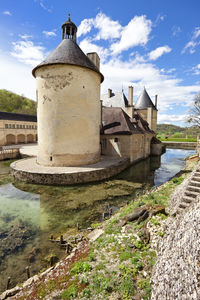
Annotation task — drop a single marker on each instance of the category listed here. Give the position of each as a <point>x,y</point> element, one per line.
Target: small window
<point>6,125</point>
<point>24,126</point>
<point>32,127</point>
<point>9,126</point>
<point>20,126</point>
<point>13,125</point>
<point>116,140</point>
<point>51,158</point>
<point>17,126</point>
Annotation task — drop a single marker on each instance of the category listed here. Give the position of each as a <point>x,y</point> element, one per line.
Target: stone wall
<point>134,146</point>
<point>144,114</point>
<point>54,177</point>
<point>68,115</point>
<point>9,154</point>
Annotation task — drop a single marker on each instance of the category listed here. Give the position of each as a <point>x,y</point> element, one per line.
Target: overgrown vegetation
<point>12,102</point>
<point>120,261</point>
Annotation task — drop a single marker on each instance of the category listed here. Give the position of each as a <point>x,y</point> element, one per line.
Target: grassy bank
<point>119,263</point>
<point>190,140</point>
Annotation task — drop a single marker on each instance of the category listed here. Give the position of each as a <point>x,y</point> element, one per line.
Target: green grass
<point>191,140</point>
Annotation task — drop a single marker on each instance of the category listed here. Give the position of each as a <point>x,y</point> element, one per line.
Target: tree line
<point>11,102</point>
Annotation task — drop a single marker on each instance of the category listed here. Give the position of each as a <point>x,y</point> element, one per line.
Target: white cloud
<point>159,18</point>
<point>27,52</point>
<point>176,30</point>
<point>191,45</point>
<point>196,33</point>
<point>49,33</point>
<point>155,54</point>
<point>85,27</point>
<point>87,46</point>
<point>196,69</point>
<point>49,10</point>
<point>171,119</point>
<point>7,12</point>
<point>16,77</point>
<point>170,90</point>
<point>25,36</point>
<point>135,33</point>
<point>108,29</point>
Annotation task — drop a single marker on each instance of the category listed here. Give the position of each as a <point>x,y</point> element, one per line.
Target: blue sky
<point>149,43</point>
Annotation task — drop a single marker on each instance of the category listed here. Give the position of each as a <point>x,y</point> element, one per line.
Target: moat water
<point>30,214</point>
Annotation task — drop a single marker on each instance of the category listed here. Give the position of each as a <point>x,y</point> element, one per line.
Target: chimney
<point>94,57</point>
<point>130,95</point>
<point>109,93</point>
<point>156,100</point>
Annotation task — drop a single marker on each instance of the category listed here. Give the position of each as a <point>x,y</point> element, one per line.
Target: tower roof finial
<point>69,19</point>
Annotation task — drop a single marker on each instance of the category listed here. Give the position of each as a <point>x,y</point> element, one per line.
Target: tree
<point>194,116</point>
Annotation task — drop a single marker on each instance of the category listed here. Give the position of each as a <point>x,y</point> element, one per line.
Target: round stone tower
<point>68,104</point>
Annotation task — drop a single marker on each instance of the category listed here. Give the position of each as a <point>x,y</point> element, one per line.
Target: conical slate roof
<point>144,101</point>
<point>68,52</point>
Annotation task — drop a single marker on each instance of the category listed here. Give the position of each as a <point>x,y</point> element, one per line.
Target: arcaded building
<point>17,128</point>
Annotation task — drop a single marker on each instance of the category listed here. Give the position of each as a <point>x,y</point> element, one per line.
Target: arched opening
<point>36,137</point>
<point>21,139</point>
<point>30,138</point>
<point>10,139</point>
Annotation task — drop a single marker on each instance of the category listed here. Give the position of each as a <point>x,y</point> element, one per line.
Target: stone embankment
<point>176,274</point>
<point>180,145</point>
<point>9,153</point>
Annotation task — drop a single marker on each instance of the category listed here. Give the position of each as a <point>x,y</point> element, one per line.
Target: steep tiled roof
<point>144,101</point>
<point>68,52</point>
<point>116,121</point>
<point>143,125</point>
<point>116,100</point>
<point>17,117</point>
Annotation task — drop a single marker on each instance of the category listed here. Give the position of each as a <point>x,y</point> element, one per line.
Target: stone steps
<point>188,199</point>
<point>184,205</point>
<point>191,192</point>
<point>193,188</point>
<point>194,182</point>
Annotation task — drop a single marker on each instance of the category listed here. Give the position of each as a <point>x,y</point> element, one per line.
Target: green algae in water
<point>15,204</point>
<point>48,210</point>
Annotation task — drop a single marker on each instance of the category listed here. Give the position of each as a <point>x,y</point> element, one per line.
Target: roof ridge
<point>68,52</point>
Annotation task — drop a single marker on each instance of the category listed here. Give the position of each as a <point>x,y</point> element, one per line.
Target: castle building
<point>129,130</point>
<point>147,110</point>
<point>125,137</point>
<point>144,105</point>
<point>68,104</point>
<point>99,138</point>
<point>17,128</point>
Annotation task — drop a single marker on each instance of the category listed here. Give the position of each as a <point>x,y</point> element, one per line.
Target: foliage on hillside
<point>12,102</point>
<point>169,130</point>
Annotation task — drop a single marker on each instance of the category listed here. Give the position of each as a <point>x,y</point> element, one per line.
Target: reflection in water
<point>30,214</point>
<point>171,163</point>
